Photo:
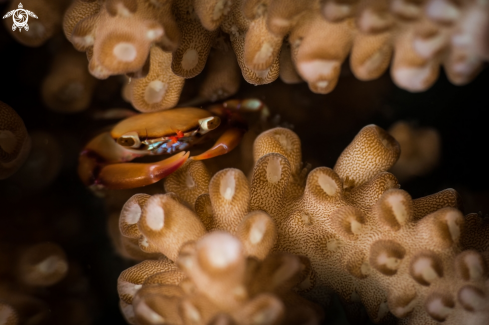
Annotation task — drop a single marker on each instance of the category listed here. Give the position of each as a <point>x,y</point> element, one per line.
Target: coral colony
<point>274,246</point>
<point>298,40</point>
<point>356,232</point>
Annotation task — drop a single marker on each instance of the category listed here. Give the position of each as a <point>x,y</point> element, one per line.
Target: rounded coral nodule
<point>15,143</point>
<point>43,264</point>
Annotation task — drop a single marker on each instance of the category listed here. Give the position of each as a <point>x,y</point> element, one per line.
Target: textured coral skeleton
<point>207,277</point>
<point>297,40</point>
<point>418,260</point>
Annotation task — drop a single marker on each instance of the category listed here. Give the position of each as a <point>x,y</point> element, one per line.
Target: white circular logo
<point>20,17</point>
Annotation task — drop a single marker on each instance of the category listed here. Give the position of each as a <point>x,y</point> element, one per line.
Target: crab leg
<point>102,164</point>
<point>248,105</point>
<point>235,107</point>
<point>226,142</point>
<point>132,175</point>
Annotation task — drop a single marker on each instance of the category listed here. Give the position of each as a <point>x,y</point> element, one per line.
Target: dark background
<point>76,219</point>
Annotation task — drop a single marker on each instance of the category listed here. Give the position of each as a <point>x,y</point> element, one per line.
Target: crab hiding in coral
<point>103,161</point>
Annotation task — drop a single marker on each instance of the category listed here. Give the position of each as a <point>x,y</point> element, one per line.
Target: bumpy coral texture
<point>298,40</point>
<point>68,88</point>
<point>207,277</point>
<point>419,260</point>
<point>15,143</point>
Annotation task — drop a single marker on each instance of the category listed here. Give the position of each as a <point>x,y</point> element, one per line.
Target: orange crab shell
<point>160,124</point>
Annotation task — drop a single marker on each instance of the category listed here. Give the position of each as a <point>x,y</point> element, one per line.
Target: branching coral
<point>68,87</point>
<point>48,22</point>
<point>300,40</point>
<point>36,266</point>
<point>39,282</point>
<point>423,35</point>
<point>367,240</point>
<point>14,141</point>
<point>216,283</point>
<point>214,280</point>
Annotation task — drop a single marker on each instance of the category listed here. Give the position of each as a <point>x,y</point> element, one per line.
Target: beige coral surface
<point>298,40</point>
<point>208,277</point>
<point>418,260</point>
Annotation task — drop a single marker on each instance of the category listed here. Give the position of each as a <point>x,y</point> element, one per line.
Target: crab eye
<point>129,140</point>
<point>208,124</point>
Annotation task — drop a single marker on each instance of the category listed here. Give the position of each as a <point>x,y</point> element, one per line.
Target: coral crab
<point>105,161</point>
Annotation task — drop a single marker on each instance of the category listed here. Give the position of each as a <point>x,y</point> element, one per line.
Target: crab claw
<point>226,142</point>
<point>131,175</point>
